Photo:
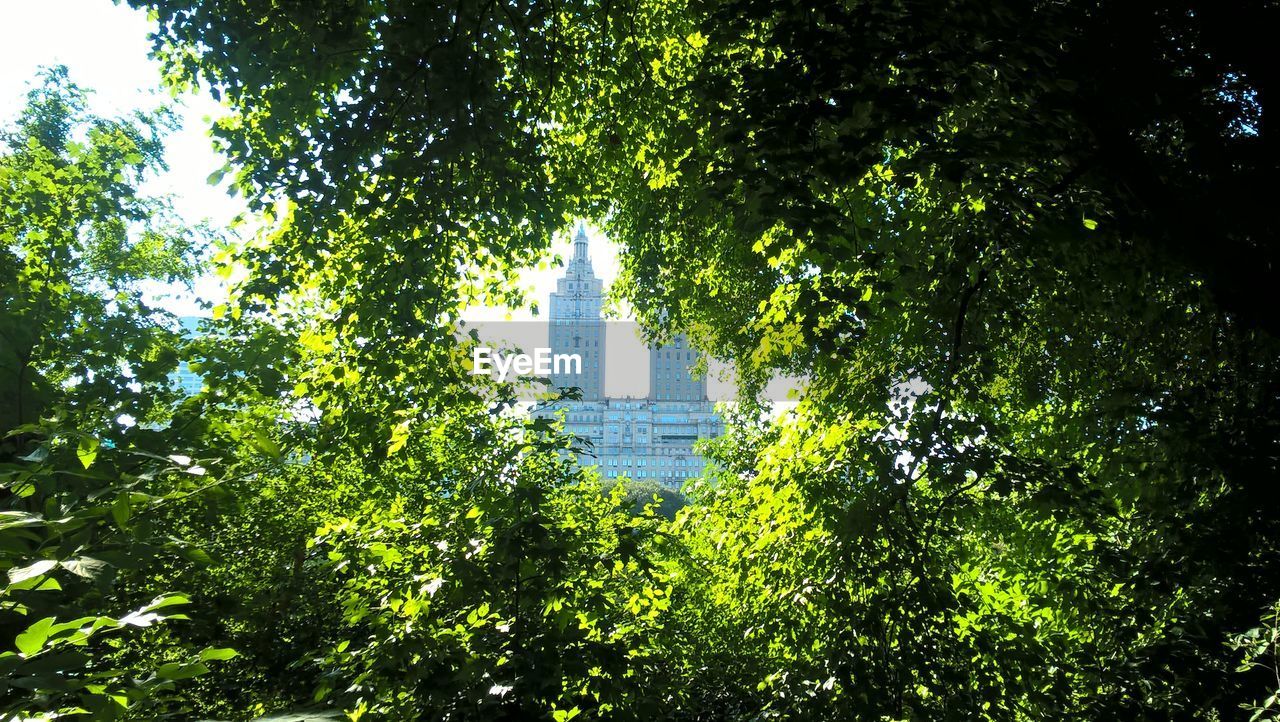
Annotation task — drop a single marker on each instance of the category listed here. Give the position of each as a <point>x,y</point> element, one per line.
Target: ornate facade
<point>639,438</point>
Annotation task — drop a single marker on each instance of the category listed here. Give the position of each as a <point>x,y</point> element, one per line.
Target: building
<point>576,325</point>
<point>188,381</point>
<point>639,438</point>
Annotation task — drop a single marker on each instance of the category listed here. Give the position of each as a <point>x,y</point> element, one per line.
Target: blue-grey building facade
<point>184,378</point>
<point>648,438</point>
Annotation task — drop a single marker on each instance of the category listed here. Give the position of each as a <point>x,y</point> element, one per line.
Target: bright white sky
<point>105,48</point>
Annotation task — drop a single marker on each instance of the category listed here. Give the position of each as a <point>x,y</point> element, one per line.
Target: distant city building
<point>639,438</point>
<point>187,380</point>
<point>576,324</point>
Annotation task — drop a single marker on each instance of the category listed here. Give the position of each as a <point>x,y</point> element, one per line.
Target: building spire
<point>580,244</point>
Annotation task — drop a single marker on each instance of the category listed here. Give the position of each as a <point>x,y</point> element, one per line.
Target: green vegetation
<point>1023,252</point>
<point>642,493</point>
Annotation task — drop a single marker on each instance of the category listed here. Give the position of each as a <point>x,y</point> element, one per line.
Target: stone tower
<point>576,324</point>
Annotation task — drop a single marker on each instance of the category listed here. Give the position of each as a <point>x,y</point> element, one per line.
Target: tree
<point>423,173</point>
<point>83,360</point>
<point>1020,249</point>
<point>951,221</point>
<point>641,494</point>
<point>79,242</point>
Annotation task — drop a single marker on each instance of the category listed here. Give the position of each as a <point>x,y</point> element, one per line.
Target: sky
<point>106,50</point>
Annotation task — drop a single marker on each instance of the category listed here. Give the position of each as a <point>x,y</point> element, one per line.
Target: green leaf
<point>86,567</point>
<point>32,640</point>
<point>197,555</point>
<point>179,670</point>
<point>399,436</point>
<point>12,519</point>
<point>31,571</point>
<point>35,584</point>
<point>87,450</point>
<point>121,510</point>
<point>217,654</point>
<point>39,456</point>
<point>167,600</point>
<point>265,444</point>
<point>216,177</point>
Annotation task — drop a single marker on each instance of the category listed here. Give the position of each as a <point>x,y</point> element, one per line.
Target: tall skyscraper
<point>671,373</point>
<point>648,438</point>
<point>576,324</point>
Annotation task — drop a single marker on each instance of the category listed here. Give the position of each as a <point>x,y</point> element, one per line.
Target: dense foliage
<point>1022,252</point>
<point>83,359</point>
